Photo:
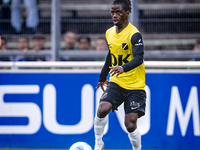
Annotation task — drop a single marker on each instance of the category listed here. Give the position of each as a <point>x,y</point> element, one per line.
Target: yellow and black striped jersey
<point>123,49</point>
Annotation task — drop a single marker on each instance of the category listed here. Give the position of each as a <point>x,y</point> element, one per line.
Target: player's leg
<point>100,122</point>
<point>110,100</point>
<point>134,108</point>
<point>133,133</point>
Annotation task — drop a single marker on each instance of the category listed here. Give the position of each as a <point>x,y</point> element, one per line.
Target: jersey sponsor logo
<point>124,46</point>
<point>120,60</point>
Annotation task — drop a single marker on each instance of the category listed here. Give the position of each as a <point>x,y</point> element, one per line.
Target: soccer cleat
<point>99,146</point>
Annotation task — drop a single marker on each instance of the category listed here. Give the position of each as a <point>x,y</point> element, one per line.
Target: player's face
<point>119,15</point>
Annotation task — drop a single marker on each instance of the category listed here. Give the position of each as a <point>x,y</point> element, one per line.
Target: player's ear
<point>127,12</point>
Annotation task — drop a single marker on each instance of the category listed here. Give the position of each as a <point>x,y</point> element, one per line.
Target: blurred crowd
<point>28,37</point>
<point>71,41</point>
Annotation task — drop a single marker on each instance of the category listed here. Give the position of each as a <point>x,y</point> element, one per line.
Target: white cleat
<point>99,146</point>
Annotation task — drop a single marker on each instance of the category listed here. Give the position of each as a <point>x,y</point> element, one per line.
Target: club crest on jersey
<point>124,46</point>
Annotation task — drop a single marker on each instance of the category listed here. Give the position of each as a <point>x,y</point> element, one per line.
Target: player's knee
<point>131,124</point>
<point>131,121</point>
<point>104,109</point>
<point>131,128</point>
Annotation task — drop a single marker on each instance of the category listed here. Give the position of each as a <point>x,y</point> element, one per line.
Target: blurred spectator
<point>84,43</point>
<point>22,44</point>
<point>196,49</point>
<point>0,39</point>
<point>197,46</point>
<point>38,42</point>
<point>101,44</point>
<point>4,43</point>
<point>70,39</point>
<point>3,48</point>
<point>16,16</point>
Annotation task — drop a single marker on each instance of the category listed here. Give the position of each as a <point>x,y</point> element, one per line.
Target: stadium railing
<point>149,54</point>
<point>97,64</point>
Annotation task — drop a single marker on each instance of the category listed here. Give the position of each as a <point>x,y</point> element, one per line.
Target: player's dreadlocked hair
<point>126,4</point>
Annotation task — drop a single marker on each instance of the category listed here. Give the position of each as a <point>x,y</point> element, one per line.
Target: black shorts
<point>134,100</point>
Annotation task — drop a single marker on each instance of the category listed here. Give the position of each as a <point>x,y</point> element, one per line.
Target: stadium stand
<point>164,24</point>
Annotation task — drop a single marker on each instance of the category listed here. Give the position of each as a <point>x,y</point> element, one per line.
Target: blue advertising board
<point>55,110</point>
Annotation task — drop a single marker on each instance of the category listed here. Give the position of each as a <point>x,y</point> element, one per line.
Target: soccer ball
<point>80,146</point>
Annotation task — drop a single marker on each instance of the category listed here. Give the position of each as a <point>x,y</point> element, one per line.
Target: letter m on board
<point>192,109</point>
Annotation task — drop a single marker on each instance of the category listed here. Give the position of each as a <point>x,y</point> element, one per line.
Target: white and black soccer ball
<point>80,146</point>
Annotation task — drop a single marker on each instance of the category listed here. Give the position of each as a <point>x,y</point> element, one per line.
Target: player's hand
<point>116,70</point>
<point>102,84</point>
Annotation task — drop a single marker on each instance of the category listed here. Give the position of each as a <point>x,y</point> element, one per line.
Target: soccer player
<point>126,84</point>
